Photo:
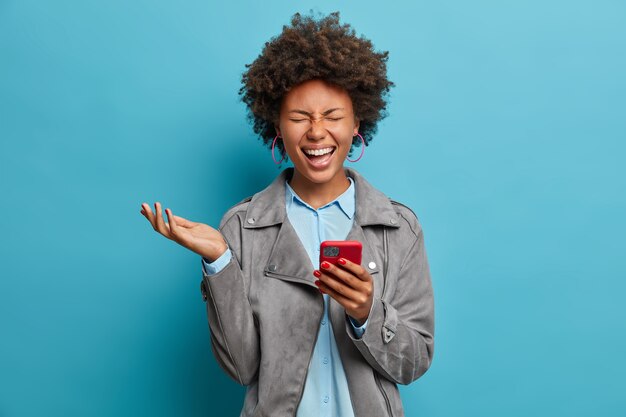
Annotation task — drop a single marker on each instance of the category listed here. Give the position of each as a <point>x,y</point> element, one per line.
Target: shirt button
<point>323,322</point>
<point>251,221</point>
<point>325,360</point>
<point>326,399</point>
<point>372,265</point>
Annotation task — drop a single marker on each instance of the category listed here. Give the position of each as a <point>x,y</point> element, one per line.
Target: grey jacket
<point>264,309</point>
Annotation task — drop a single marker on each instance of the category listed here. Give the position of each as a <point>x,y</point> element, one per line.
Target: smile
<point>319,158</point>
<point>318,152</point>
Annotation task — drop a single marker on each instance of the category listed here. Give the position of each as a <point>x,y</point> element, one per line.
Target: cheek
<point>291,147</point>
<point>343,135</point>
<point>293,132</point>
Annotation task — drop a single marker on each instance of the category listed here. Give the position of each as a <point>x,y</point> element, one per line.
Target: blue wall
<point>506,132</point>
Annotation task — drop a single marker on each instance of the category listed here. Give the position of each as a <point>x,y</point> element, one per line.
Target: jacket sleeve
<point>399,339</point>
<point>234,336</point>
<point>212,268</point>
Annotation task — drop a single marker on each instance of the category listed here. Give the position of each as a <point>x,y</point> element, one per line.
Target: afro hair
<point>316,49</point>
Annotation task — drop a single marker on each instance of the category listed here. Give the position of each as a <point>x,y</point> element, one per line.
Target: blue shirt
<point>326,387</point>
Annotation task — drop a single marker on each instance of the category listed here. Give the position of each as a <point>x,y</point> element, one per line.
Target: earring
<point>273,157</point>
<point>362,150</point>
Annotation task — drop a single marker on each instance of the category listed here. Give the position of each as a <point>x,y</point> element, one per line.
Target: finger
<point>339,286</point>
<point>346,276</point>
<point>181,221</point>
<point>172,222</point>
<point>149,215</point>
<point>145,208</point>
<point>356,269</point>
<point>160,223</point>
<point>345,302</point>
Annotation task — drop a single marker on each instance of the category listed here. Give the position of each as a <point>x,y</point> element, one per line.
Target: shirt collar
<point>345,201</point>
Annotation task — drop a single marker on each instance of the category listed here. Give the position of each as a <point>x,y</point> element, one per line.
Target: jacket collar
<point>267,207</point>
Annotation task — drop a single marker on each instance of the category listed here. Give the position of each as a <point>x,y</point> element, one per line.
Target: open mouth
<point>319,156</point>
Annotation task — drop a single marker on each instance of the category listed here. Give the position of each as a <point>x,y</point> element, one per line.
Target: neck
<point>318,194</point>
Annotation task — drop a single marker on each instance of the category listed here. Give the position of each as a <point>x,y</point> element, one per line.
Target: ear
<point>357,124</point>
<point>277,130</point>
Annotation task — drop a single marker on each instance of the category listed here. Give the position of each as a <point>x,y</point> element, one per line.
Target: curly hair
<point>310,49</point>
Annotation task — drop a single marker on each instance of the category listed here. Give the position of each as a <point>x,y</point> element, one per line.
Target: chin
<point>318,176</point>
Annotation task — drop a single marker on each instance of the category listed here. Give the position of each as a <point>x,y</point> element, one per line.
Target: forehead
<point>316,95</point>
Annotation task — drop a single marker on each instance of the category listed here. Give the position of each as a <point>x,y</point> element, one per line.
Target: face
<point>317,125</point>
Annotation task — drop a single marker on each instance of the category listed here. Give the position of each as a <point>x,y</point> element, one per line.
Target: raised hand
<point>197,237</point>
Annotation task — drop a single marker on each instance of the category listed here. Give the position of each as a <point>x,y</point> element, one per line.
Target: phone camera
<point>331,251</point>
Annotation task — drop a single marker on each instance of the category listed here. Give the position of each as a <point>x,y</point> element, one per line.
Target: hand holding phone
<point>346,283</point>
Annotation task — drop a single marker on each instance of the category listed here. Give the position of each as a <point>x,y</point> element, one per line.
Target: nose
<point>316,131</point>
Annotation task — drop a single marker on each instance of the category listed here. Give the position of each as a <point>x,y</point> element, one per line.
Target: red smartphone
<point>332,250</point>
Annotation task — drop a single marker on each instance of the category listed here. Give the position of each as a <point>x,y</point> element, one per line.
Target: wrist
<point>215,253</point>
<point>358,322</point>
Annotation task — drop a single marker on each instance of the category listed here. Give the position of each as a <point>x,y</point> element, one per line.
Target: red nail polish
<point>317,283</point>
<point>342,261</point>
<point>317,273</point>
<point>325,265</point>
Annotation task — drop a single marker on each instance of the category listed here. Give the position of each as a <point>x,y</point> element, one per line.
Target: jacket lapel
<point>288,259</point>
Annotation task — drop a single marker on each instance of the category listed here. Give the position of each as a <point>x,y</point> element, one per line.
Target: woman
<point>307,341</point>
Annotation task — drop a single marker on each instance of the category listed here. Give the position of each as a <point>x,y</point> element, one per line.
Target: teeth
<point>318,152</point>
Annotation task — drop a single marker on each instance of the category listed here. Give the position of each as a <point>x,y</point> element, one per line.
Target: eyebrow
<point>309,114</point>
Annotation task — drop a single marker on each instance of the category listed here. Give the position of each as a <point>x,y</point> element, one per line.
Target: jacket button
<point>251,220</point>
<point>272,268</point>
<point>388,336</point>
<point>371,265</point>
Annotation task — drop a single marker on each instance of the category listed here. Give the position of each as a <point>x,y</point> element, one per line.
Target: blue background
<point>506,135</point>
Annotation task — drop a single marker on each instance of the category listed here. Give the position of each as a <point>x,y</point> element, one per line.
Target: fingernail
<point>325,265</point>
<point>317,273</point>
<point>342,261</point>
<point>317,283</point>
